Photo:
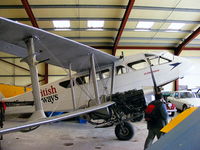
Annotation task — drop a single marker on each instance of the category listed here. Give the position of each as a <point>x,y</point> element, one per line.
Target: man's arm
<point>164,113</point>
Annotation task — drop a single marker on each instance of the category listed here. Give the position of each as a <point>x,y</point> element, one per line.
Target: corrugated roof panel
<point>66,33</point>
<point>165,3</point>
<point>55,12</point>
<point>85,33</point>
<point>106,13</point>
<point>98,33</point>
<point>171,34</point>
<point>189,4</point>
<point>184,16</point>
<point>138,34</point>
<point>13,13</point>
<point>149,14</point>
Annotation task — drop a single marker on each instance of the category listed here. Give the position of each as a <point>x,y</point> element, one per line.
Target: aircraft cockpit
<point>158,59</point>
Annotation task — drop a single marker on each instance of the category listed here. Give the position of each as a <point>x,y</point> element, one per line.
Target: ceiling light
<point>176,26</point>
<point>61,23</point>
<point>95,24</point>
<point>145,25</point>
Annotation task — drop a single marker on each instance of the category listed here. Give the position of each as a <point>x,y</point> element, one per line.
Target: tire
<point>124,136</point>
<point>184,107</point>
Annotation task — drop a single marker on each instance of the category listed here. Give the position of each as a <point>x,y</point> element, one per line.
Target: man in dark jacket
<point>154,126</point>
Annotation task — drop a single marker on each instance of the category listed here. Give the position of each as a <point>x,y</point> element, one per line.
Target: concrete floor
<point>70,135</point>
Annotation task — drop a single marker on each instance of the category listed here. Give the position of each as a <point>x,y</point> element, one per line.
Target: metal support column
<point>94,79</point>
<point>31,60</point>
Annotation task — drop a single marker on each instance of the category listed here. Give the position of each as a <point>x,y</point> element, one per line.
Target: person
<point>155,125</point>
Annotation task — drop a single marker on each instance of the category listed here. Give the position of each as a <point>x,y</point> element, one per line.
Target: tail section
<point>11,90</point>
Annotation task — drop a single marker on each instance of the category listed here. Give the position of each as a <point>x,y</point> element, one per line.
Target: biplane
<point>103,86</point>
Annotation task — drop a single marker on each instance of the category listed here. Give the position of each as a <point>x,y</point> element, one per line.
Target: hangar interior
<point>128,26</point>
<point>112,26</point>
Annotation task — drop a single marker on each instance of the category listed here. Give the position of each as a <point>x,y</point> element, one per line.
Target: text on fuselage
<point>49,95</point>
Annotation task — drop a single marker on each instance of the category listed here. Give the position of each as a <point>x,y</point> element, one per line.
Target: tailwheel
<point>124,131</point>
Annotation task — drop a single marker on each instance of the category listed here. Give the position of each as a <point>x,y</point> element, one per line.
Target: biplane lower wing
<point>54,119</point>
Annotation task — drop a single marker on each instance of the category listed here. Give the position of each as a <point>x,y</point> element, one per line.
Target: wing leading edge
<point>56,50</point>
<point>54,119</point>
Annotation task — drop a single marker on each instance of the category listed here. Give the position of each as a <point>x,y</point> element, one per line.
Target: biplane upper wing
<point>54,119</point>
<point>49,47</point>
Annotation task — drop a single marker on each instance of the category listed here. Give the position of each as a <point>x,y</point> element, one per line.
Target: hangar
<point>115,26</point>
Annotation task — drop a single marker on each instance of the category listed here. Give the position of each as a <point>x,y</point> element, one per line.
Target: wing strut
<point>31,61</point>
<point>94,79</point>
<point>112,79</point>
<point>72,87</point>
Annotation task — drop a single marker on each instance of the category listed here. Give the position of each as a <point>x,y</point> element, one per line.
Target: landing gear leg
<point>124,130</point>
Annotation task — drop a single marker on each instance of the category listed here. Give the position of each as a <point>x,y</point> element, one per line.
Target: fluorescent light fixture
<point>95,23</point>
<point>61,23</point>
<point>176,26</point>
<point>143,24</point>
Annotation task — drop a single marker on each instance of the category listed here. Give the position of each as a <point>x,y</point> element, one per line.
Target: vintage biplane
<point>105,87</point>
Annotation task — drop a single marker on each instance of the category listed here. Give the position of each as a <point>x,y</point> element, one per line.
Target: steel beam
<point>108,19</point>
<point>140,47</point>
<point>145,48</point>
<point>29,13</point>
<point>123,24</point>
<point>104,7</point>
<point>192,48</point>
<point>179,49</point>
<point>127,30</point>
<point>176,85</point>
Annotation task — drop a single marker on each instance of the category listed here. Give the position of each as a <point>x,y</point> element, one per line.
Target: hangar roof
<point>126,24</point>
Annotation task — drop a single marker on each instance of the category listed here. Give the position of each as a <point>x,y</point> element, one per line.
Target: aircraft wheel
<point>184,107</point>
<point>124,131</point>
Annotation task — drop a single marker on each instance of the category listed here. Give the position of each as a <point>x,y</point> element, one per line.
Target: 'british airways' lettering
<point>50,99</point>
<point>49,95</point>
